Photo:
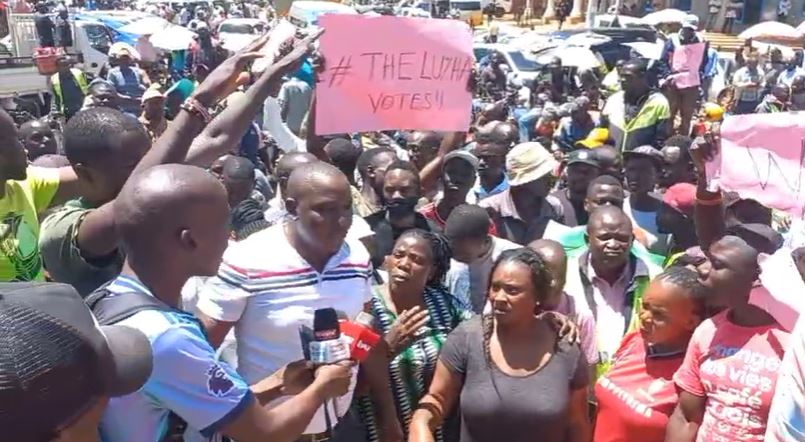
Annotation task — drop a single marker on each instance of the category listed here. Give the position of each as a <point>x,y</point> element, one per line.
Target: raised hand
<point>405,327</point>
<point>291,57</point>
<point>223,80</point>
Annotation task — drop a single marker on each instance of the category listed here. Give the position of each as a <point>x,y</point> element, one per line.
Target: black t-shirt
<point>497,407</point>
<point>573,213</point>
<point>72,94</point>
<point>386,234</point>
<point>44,30</point>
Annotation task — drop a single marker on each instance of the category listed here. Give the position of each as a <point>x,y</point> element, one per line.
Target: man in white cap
<point>522,212</point>
<point>153,114</point>
<point>128,79</point>
<point>682,99</point>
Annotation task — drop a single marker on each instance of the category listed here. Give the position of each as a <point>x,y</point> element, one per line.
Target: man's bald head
<point>555,258</point>
<point>315,177</point>
<point>290,161</point>
<point>238,168</point>
<point>13,162</point>
<point>551,252</point>
<point>287,164</point>
<point>318,196</point>
<point>608,215</point>
<point>174,213</point>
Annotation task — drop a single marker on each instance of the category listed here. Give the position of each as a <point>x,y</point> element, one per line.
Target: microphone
<point>327,347</point>
<point>360,336</point>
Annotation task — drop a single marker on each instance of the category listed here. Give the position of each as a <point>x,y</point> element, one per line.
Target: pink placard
<point>384,73</point>
<point>761,157</point>
<point>685,63</point>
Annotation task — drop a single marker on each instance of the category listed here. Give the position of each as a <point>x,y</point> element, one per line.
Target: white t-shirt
<point>469,282</point>
<point>269,291</point>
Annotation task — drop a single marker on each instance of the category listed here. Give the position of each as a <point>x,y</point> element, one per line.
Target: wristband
<point>709,202</point>
<point>194,107</point>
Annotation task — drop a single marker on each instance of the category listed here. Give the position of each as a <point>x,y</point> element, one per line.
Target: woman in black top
<point>515,378</point>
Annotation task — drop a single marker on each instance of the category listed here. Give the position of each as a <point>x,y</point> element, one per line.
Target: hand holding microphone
<point>332,380</point>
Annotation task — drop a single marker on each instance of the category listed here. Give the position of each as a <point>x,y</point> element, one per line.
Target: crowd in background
<point>560,271</point>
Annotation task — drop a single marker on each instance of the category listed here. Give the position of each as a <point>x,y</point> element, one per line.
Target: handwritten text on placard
<point>396,73</point>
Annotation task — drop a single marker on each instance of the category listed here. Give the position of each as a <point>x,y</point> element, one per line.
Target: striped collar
<point>124,283</point>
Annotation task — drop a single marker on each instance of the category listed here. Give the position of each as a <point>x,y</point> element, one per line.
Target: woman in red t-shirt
<point>637,395</point>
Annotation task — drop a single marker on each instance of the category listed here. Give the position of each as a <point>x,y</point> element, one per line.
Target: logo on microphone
<point>363,346</point>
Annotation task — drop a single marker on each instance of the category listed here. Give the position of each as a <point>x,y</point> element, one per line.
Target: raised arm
<point>430,174</point>
<point>709,209</point>
<point>228,128</point>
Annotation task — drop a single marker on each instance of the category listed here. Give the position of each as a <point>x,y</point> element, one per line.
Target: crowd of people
<point>562,272</point>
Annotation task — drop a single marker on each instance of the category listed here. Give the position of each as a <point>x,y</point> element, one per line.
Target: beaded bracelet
<point>709,202</point>
<point>194,107</point>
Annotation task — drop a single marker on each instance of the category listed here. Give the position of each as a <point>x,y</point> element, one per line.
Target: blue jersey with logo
<point>186,379</point>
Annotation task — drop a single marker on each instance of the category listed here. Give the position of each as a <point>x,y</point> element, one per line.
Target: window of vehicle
<point>522,63</point>
<point>237,28</point>
<point>466,6</point>
<point>99,37</point>
<point>480,53</point>
<point>297,22</point>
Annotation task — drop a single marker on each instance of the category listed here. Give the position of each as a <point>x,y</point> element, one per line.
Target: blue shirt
<point>128,82</point>
<point>186,379</point>
<point>482,193</point>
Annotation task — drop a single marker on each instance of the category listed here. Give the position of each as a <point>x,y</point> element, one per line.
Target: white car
<point>522,69</point>
<point>235,33</point>
<point>521,65</point>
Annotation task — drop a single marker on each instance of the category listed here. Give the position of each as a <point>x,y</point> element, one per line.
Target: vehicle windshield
<point>241,28</point>
<point>466,6</point>
<point>522,63</point>
<point>99,37</point>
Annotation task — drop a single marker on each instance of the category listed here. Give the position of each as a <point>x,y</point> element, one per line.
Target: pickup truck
<point>19,77</point>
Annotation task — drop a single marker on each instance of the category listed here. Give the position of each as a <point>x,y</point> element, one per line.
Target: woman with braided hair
<point>514,378</point>
<point>415,313</point>
<point>637,395</point>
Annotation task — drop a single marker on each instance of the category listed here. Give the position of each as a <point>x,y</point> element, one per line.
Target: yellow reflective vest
<point>646,128</point>
<point>80,79</point>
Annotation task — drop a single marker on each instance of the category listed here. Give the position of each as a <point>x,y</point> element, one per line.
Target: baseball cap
<point>120,49</point>
<point>582,156</point>
<point>713,112</point>
<point>646,152</point>
<point>682,197</point>
<point>690,21</point>
<point>56,359</point>
<point>464,156</point>
<point>761,237</point>
<point>528,162</point>
<point>597,137</point>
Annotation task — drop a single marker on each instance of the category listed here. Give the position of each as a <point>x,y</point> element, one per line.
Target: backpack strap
<point>110,307</point>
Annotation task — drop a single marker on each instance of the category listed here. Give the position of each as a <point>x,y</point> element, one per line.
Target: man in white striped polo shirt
<point>272,282</point>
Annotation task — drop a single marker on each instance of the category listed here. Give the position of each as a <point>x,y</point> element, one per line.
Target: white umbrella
<point>577,56</point>
<point>173,38</point>
<point>772,32</point>
<point>645,49</point>
<point>665,16</point>
<point>145,26</point>
<point>801,28</point>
